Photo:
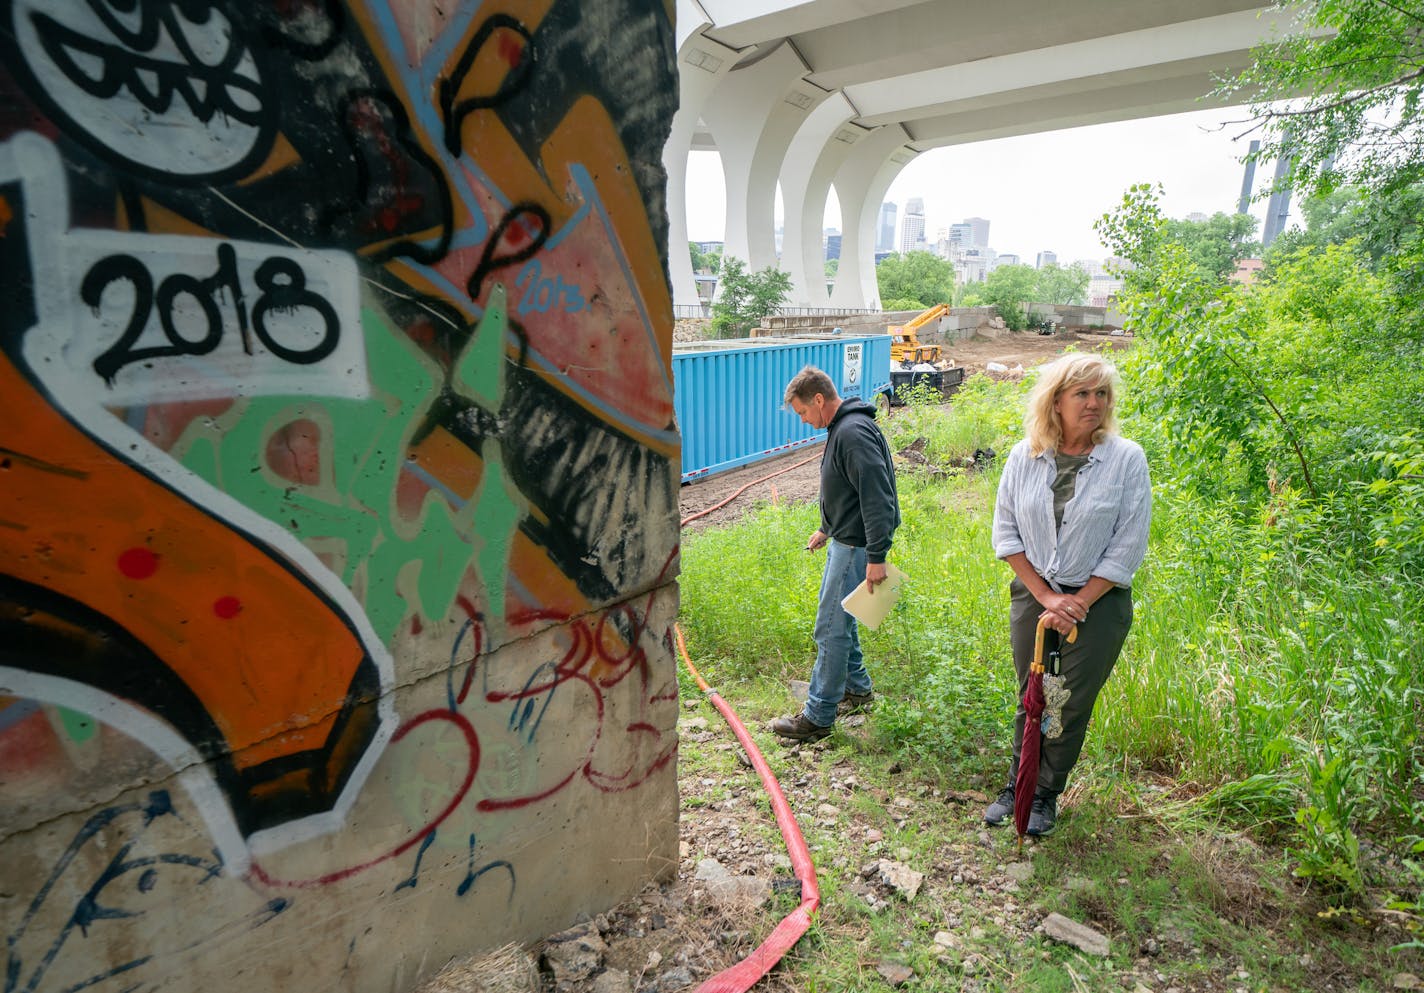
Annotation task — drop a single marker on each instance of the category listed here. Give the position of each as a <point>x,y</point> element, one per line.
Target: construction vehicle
<point>905,347</point>
<point>912,363</point>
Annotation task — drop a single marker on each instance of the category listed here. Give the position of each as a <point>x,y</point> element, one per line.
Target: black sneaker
<point>1044,816</point>
<point>798,728</point>
<point>1001,809</point>
<point>854,703</point>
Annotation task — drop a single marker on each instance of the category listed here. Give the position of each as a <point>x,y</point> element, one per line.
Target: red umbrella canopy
<point>1026,780</point>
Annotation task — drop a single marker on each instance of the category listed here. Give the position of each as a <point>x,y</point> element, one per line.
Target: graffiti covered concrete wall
<point>338,484</point>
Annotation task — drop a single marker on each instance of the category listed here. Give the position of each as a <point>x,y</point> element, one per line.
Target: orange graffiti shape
<point>118,582</point>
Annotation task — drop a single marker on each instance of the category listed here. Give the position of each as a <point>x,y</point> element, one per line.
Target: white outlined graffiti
<point>168,317</point>
<point>171,88</point>
<point>33,160</point>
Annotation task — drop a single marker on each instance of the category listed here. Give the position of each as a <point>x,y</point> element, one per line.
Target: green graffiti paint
<point>79,727</point>
<point>479,372</point>
<point>397,565</point>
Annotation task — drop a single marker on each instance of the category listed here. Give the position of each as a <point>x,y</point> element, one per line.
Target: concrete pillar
<point>702,65</point>
<point>753,116</point>
<point>861,182</point>
<point>820,146</point>
<point>339,509</point>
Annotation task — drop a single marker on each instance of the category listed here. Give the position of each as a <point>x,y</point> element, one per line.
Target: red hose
<point>773,475</point>
<point>740,977</point>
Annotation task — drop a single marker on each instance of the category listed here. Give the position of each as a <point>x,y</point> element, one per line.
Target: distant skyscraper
<point>979,226</point>
<point>833,246</point>
<point>885,233</point>
<point>912,227</point>
<point>1197,217</point>
<point>961,238</point>
<point>1045,258</point>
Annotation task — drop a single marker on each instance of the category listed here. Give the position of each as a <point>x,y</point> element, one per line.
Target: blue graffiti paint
<point>472,874</point>
<point>91,908</point>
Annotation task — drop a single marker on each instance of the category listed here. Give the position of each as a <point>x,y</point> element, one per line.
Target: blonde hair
<point>1042,426</point>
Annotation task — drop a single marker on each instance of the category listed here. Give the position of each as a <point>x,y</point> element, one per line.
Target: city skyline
<point>1041,193</point>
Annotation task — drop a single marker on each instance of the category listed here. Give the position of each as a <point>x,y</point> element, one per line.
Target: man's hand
<point>817,540</point>
<point>874,575</point>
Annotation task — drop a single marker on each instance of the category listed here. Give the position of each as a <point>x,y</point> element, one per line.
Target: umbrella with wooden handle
<point>1026,780</point>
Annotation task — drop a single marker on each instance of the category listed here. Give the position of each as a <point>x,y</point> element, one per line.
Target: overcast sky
<point>1043,192</point>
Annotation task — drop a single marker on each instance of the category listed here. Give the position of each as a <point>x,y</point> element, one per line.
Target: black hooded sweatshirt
<point>859,505</point>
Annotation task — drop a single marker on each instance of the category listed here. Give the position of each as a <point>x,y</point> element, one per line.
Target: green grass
<point>1254,770</point>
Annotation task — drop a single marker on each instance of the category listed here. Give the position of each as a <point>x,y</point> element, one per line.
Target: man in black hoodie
<point>859,514</point>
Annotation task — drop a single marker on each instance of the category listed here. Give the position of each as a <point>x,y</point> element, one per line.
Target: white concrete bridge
<point>811,93</point>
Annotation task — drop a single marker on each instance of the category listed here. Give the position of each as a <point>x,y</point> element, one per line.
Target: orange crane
<point>905,346</point>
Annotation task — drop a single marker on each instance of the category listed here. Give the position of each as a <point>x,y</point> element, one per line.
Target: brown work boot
<point>798,728</point>
<point>854,703</point>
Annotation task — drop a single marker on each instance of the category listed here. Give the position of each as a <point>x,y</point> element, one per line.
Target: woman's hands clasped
<point>1063,611</point>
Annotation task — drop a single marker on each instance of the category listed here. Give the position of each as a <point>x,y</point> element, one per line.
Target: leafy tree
<point>1301,378</point>
<point>1059,285</point>
<point>704,262</point>
<point>1361,121</point>
<point>1198,366</point>
<point>921,278</point>
<point>833,266</point>
<point>746,298</point>
<point>1218,243</point>
<point>1386,226</point>
<point>1136,231</point>
<point>1009,288</point>
<point>902,305</point>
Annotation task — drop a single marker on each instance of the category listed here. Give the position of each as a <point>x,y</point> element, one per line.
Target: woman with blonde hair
<point>1071,520</point>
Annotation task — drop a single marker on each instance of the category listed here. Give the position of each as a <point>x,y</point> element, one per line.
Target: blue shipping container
<point>728,394</point>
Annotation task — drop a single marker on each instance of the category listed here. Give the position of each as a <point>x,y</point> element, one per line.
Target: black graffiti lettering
<point>208,90</point>
<point>398,183</point>
<point>533,221</point>
<point>168,293</point>
<point>227,278</point>
<point>284,290</point>
<point>91,291</point>
<point>454,113</point>
<point>284,287</point>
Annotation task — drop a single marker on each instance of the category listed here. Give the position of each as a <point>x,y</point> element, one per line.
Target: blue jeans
<point>840,667</point>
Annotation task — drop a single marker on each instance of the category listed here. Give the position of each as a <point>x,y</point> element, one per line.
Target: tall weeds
<point>1271,664</point>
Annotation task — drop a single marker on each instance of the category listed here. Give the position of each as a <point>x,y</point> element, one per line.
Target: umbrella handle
<point>1037,665</point>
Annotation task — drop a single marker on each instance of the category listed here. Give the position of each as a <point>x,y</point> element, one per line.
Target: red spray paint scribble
<point>591,642</point>
<point>476,645</point>
<point>260,875</point>
<point>138,563</point>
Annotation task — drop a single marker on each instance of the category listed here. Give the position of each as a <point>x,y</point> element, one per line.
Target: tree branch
<point>1295,444</point>
<point>1345,101</point>
<point>1402,12</point>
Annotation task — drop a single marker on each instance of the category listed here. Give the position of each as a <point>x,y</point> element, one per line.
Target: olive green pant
<point>1086,664</point>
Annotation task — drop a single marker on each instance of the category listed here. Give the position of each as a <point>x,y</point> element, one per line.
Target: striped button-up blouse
<point>1104,530</point>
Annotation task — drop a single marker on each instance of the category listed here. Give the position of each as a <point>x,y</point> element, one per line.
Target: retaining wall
<point>338,524</point>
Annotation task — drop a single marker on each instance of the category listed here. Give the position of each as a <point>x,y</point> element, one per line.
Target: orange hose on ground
<point>719,506</point>
<point>740,977</point>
